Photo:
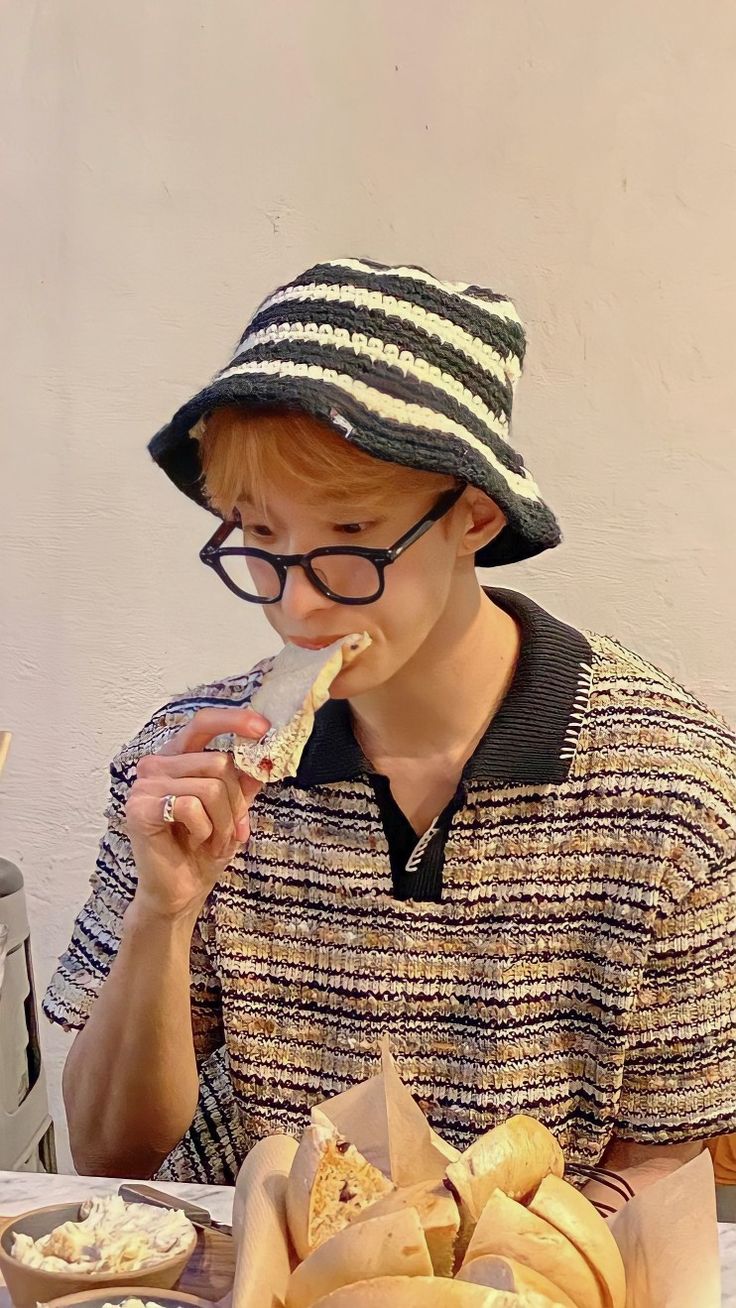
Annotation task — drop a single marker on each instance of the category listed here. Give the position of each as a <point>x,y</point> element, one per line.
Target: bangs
<point>244,454</point>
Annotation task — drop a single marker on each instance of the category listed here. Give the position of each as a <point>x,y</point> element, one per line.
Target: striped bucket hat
<point>410,369</point>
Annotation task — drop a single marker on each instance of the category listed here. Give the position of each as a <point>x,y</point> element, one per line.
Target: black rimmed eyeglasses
<point>346,574</point>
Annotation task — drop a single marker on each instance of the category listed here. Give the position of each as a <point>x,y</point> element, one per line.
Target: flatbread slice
<point>295,686</point>
<point>392,1245</point>
<point>329,1183</point>
<point>512,1231</point>
<point>428,1292</point>
<point>514,1157</point>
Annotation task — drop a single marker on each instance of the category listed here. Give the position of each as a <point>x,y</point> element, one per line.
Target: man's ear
<point>484,520</point>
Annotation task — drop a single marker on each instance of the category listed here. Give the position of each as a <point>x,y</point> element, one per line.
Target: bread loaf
<point>506,1274</point>
<point>428,1292</point>
<point>393,1245</point>
<point>513,1157</point>
<point>438,1213</point>
<point>329,1184</point>
<point>507,1228</point>
<point>570,1213</point>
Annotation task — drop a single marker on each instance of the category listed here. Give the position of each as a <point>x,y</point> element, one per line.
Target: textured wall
<point>168,161</point>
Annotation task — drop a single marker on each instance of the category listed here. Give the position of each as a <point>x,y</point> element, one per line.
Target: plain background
<point>167,163</point>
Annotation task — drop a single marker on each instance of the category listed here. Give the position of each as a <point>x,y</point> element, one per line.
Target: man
<point>509,844</point>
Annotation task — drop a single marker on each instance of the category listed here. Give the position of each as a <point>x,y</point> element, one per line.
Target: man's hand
<point>178,863</point>
<point>626,1168</point>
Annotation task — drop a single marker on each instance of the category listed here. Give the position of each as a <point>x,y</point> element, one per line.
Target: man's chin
<point>353,681</point>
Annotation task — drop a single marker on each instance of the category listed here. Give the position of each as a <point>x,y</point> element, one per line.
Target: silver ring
<point>169,802</point>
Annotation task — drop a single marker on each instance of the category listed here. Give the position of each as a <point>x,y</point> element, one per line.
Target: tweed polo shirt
<point>530,736</point>
<point>570,950</point>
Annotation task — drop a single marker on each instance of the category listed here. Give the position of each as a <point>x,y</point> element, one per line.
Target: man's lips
<point>314,644</point>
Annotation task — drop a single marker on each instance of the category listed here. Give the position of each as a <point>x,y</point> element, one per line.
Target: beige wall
<point>168,161</point>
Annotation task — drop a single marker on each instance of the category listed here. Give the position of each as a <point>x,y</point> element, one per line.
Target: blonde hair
<point>244,452</point>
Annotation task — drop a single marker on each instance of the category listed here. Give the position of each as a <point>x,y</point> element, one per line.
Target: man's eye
<point>351,528</point>
<point>259,530</point>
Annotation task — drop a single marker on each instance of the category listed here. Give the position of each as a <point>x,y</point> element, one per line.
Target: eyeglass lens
<point>347,575</point>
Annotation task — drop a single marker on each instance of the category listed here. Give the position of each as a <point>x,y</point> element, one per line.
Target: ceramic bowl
<point>29,1286</point>
<point>149,1294</point>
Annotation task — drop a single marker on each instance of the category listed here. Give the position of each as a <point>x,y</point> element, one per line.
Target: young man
<point>509,844</point>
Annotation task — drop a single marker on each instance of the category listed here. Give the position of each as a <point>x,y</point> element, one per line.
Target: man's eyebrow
<point>337,513</point>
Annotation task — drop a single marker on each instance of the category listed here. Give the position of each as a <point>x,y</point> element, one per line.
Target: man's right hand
<point>179,863</point>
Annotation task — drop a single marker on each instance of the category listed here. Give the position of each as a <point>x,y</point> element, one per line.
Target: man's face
<point>418,585</point>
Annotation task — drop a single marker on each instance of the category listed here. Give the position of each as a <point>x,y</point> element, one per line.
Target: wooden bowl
<point>31,1285</point>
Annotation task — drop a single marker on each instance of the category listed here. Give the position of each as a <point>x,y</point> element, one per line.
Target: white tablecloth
<point>21,1190</point>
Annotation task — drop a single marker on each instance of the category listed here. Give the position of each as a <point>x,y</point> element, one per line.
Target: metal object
<point>26,1129</point>
<point>169,802</point>
<point>147,1194</point>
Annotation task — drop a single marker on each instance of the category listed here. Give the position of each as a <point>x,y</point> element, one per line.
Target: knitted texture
<point>580,964</point>
<point>410,369</point>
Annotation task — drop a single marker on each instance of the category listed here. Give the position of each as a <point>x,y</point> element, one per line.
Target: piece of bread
<point>329,1184</point>
<point>438,1213</point>
<point>574,1216</point>
<point>428,1292</point>
<point>508,1228</point>
<point>295,686</point>
<point>393,1245</point>
<point>513,1157</point>
<point>506,1274</point>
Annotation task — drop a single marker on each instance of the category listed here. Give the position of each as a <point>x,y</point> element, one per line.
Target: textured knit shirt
<point>569,950</point>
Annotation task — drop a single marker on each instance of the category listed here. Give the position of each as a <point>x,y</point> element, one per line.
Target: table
<point>22,1190</point>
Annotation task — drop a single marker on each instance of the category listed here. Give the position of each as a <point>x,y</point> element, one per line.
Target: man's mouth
<point>314,644</point>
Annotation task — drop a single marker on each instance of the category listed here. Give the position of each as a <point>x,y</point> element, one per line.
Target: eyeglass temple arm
<point>218,539</point>
<point>443,506</point>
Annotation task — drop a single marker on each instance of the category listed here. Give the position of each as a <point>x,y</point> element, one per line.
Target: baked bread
<point>393,1245</point>
<point>428,1292</point>
<point>330,1182</point>
<point>438,1213</point>
<point>570,1213</point>
<point>295,686</point>
<point>513,1157</point>
<point>506,1274</point>
<point>511,1230</point>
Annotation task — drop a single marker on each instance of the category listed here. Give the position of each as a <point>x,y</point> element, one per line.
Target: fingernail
<point>242,831</point>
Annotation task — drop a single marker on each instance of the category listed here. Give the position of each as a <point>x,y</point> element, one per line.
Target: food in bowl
<point>112,1237</point>
<point>134,1303</point>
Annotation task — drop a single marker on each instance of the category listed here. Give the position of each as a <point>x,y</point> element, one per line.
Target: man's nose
<point>301,598</point>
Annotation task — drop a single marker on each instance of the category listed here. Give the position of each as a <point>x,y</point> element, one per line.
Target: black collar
<point>532,737</point>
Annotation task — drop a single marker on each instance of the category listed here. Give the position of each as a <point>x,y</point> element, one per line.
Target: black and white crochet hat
<point>408,368</point>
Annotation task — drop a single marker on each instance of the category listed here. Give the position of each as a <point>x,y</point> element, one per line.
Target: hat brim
<point>531,526</point>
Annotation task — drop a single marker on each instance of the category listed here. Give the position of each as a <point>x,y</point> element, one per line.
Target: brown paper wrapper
<point>382,1120</point>
<point>668,1237</point>
<point>667,1234</point>
<point>264,1258</point>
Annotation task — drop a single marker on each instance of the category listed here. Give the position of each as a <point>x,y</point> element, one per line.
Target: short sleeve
<point>86,963</point>
<point>680,1069</point>
<point>214,1147</point>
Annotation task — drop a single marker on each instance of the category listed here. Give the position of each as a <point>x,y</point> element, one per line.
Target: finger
<point>144,817</point>
<point>213,764</point>
<point>249,786</point>
<point>211,722</point>
<point>211,794</point>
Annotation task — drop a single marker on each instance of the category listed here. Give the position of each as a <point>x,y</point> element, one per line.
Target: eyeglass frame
<point>212,553</point>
